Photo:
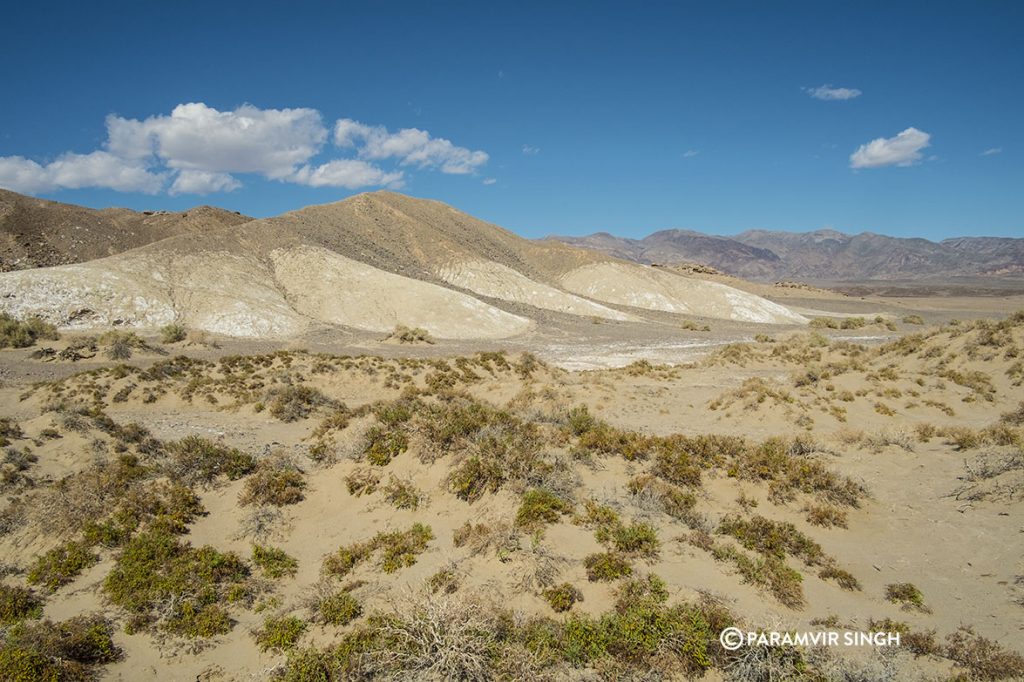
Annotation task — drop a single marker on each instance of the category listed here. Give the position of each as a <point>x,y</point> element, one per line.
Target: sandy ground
<point>962,552</point>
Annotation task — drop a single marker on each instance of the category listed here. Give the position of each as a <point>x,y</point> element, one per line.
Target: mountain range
<point>370,262</point>
<point>822,255</point>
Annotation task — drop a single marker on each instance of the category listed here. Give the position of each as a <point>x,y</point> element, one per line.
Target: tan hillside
<point>37,233</point>
<point>370,262</point>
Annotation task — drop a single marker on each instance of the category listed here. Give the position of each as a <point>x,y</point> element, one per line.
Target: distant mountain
<point>39,233</point>
<point>370,262</point>
<point>825,255</point>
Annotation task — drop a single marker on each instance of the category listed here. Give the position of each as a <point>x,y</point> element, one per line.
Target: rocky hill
<point>38,233</point>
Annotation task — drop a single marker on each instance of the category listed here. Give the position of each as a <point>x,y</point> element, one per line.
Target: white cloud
<point>529,150</point>
<point>902,150</point>
<point>76,171</point>
<point>271,142</point>
<point>828,93</point>
<point>993,150</point>
<point>411,146</point>
<point>203,182</point>
<point>690,153</point>
<point>347,173</point>
<point>202,148</point>
<point>490,181</point>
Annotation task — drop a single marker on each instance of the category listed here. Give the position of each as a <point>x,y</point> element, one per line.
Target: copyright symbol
<point>731,639</point>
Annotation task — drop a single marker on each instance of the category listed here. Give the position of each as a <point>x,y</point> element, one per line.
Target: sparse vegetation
<point>274,562</point>
<point>906,595</point>
<point>562,597</point>
<point>280,634</point>
<point>173,333</point>
<point>276,481</point>
<point>396,549</point>
<point>16,333</point>
<point>72,650</point>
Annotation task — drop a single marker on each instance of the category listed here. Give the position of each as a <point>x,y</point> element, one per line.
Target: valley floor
<point>594,501</point>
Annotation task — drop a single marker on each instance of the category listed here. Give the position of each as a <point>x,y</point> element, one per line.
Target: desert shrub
<point>826,515</point>
<point>964,438</point>
<point>474,477</point>
<point>17,604</point>
<point>276,481</point>
<point>771,538</point>
<point>340,608</point>
<point>195,460</point>
<point>906,595</point>
<point>843,578</point>
<point>635,539</point>
<point>446,580</point>
<point>768,572</point>
<point>292,403</point>
<point>606,566</point>
<point>983,658</point>
<point>913,319</point>
<point>274,562</point>
<point>155,569</point>
<point>606,440</point>
<point>1014,417</point>
<point>404,334</point>
<point>690,325</point>
<point>280,634</point>
<point>362,482</point>
<point>172,333</point>
<point>540,507</point>
<point>16,333</point>
<point>397,549</point>
<point>120,345</point>
<point>383,445</point>
<point>402,494</point>
<point>562,597</point>
<point>502,537</point>
<point>579,420</point>
<point>60,565</point>
<point>676,466</point>
<point>69,651</point>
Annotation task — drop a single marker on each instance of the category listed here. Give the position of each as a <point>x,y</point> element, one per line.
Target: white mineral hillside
<point>370,262</point>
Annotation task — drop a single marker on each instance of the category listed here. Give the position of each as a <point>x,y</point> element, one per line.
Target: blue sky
<point>544,118</point>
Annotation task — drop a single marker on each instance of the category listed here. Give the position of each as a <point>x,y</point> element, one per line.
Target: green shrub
<point>275,482</point>
<point>397,549</point>
<point>562,597</point>
<point>292,403</point>
<point>69,651</point>
<point>22,334</point>
<point>383,445</point>
<point>845,579</point>
<point>474,477</point>
<point>198,460</point>
<point>17,604</point>
<point>637,538</point>
<point>772,538</point>
<point>905,594</point>
<point>402,494</point>
<point>172,333</point>
<point>540,507</point>
<point>606,566</point>
<point>579,420</point>
<point>280,634</point>
<point>274,562</point>
<point>340,608</point>
<point>61,565</point>
<point>156,568</point>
